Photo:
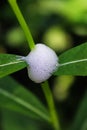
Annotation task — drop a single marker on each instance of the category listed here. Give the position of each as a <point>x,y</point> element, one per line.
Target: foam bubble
<point>42,62</point>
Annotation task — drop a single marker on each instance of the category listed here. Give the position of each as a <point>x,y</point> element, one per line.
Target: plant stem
<point>22,22</point>
<point>45,86</point>
<point>50,102</point>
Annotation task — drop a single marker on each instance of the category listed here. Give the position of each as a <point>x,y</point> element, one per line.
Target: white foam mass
<point>42,62</point>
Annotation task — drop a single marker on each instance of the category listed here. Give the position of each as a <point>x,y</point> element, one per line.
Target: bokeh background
<point>60,24</point>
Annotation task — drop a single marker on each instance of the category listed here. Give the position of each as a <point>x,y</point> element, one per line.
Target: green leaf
<point>80,121</point>
<point>74,61</point>
<point>15,121</point>
<point>15,97</point>
<point>10,63</point>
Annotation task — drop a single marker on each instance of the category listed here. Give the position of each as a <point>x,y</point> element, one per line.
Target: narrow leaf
<point>10,63</point>
<point>15,97</point>
<point>15,121</point>
<point>74,61</point>
<point>80,121</point>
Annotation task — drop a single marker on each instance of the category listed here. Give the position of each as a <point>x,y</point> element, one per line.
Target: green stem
<point>50,102</point>
<point>22,22</point>
<point>45,86</point>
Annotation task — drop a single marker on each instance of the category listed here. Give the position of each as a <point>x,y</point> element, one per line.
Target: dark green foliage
<point>78,61</point>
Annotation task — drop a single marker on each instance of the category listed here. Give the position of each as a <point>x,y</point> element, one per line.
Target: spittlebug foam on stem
<point>42,62</point>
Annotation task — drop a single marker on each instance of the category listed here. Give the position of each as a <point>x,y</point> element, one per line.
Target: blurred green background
<point>60,24</point>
